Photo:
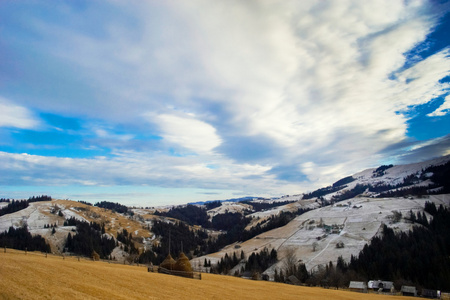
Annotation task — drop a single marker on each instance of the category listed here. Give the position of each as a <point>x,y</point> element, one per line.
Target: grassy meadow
<point>34,276</point>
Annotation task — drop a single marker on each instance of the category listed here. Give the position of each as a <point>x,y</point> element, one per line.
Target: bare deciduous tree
<point>290,261</point>
<point>315,245</point>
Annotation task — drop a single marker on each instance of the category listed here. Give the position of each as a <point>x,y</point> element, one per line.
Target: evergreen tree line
<point>298,270</point>
<point>419,218</point>
<point>90,239</point>
<point>13,206</point>
<point>256,262</point>
<point>21,239</point>
<point>72,221</point>
<point>212,204</point>
<point>16,205</point>
<point>415,190</point>
<point>39,198</point>
<point>323,191</point>
<point>343,181</point>
<point>227,220</point>
<point>50,226</point>
<point>358,189</point>
<point>191,214</point>
<point>127,239</point>
<point>226,263</point>
<point>259,206</point>
<point>380,170</point>
<point>116,207</point>
<point>181,239</point>
<point>420,257</point>
<point>259,262</point>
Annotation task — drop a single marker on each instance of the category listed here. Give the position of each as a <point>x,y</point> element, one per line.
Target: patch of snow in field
<point>32,216</point>
<point>231,207</point>
<point>73,213</point>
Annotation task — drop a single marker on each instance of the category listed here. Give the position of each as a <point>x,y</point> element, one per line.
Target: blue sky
<point>166,102</point>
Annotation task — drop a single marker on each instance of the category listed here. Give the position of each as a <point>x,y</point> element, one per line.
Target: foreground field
<point>33,276</point>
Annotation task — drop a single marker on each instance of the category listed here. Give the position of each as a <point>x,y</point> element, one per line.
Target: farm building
<point>293,280</point>
<point>409,290</point>
<point>430,293</point>
<point>381,286</point>
<point>358,286</point>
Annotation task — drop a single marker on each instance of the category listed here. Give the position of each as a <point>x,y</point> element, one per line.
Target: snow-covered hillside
<point>393,175</point>
<point>314,235</point>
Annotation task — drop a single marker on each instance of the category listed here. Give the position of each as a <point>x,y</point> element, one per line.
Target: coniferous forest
<point>21,239</point>
<point>90,238</point>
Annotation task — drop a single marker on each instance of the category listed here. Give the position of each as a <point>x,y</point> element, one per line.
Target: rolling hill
<point>33,276</point>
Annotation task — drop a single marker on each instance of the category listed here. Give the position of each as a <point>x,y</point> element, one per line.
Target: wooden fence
<point>193,275</point>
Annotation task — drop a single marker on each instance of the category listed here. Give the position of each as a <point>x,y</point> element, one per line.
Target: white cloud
<point>443,109</point>
<point>420,83</point>
<point>13,115</point>
<point>139,169</point>
<point>105,134</point>
<point>188,132</point>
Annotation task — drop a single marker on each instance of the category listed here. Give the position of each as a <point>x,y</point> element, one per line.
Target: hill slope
<point>33,276</point>
<point>357,224</point>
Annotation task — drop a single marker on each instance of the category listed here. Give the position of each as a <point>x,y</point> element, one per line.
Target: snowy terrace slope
<point>357,221</point>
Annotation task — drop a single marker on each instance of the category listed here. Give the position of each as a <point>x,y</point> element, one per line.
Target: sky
<point>152,103</point>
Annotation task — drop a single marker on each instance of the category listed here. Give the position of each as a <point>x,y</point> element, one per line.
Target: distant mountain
<point>226,200</point>
<point>428,177</point>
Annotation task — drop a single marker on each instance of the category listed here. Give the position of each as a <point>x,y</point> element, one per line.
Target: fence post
<point>26,248</point>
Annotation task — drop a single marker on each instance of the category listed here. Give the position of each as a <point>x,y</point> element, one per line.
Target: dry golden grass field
<point>33,276</point>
